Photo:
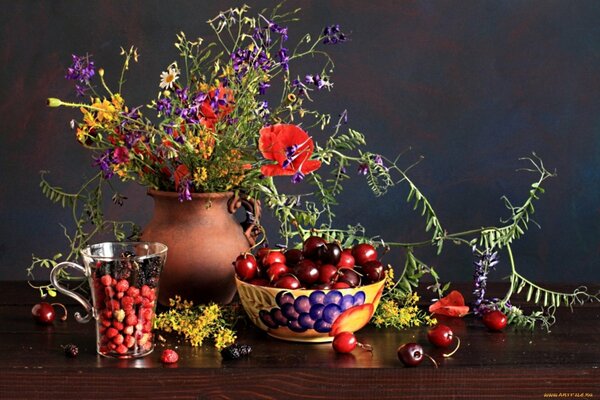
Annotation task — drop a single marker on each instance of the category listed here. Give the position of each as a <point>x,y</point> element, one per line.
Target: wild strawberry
<point>145,290</point>
<point>118,339</point>
<point>120,315</point>
<point>71,350</point>
<point>106,280</point>
<point>111,333</point>
<point>127,303</point>
<point>121,349</point>
<point>169,356</point>
<point>128,330</point>
<point>144,339</point>
<point>131,320</point>
<point>129,341</point>
<point>122,285</point>
<point>133,291</point>
<point>118,325</point>
<point>109,291</point>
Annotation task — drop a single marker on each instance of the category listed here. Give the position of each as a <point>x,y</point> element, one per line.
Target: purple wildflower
<point>262,87</point>
<point>297,177</point>
<point>379,161</point>
<point>484,263</point>
<point>300,87</point>
<point>164,106</point>
<point>184,190</point>
<point>104,162</point>
<point>263,109</point>
<point>333,35</point>
<point>284,58</point>
<point>318,81</point>
<point>290,154</point>
<point>82,69</point>
<point>363,169</point>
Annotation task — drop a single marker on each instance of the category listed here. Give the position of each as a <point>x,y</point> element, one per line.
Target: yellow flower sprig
<point>197,324</point>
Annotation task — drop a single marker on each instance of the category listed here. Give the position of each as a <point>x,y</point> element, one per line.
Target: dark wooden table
<point>564,363</point>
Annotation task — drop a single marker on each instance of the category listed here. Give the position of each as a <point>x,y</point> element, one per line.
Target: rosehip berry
<point>495,320</point>
<point>169,356</point>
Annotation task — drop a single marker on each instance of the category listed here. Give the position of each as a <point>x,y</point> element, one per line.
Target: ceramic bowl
<point>304,315</point>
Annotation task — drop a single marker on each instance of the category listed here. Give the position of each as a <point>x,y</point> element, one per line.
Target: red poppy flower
<point>291,147</point>
<point>453,305</point>
<point>222,97</point>
<point>181,172</point>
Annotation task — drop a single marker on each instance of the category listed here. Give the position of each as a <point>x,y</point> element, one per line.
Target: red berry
<point>43,313</point>
<point>122,285</point>
<point>311,246</point>
<point>411,354</point>
<point>363,253</point>
<point>327,273</point>
<point>373,271</point>
<point>259,282</point>
<point>346,260</point>
<point>341,285</point>
<point>287,281</point>
<point>330,253</point>
<point>307,272</point>
<point>344,342</point>
<point>495,320</point>
<point>246,267</point>
<point>440,335</point>
<point>106,280</point>
<point>276,270</point>
<point>273,257</point>
<point>293,257</point>
<point>169,356</point>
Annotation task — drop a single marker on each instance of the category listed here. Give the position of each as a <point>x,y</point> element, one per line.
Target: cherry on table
<point>412,354</point>
<point>495,320</point>
<point>43,313</point>
<point>346,342</point>
<point>442,336</point>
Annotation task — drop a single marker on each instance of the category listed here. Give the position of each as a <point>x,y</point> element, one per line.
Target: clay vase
<point>204,238</point>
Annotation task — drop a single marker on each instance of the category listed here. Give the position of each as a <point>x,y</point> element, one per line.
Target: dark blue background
<point>470,85</point>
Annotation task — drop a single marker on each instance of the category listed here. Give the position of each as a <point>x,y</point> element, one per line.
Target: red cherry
<point>330,253</point>
<point>349,276</point>
<point>43,313</point>
<point>273,257</point>
<point>373,271</point>
<point>341,285</point>
<point>327,273</point>
<point>293,256</point>
<point>276,270</point>
<point>310,247</point>
<point>261,253</point>
<point>411,354</point>
<point>495,320</point>
<point>363,253</point>
<point>307,272</point>
<point>287,281</point>
<point>344,342</point>
<point>346,259</point>
<point>259,282</point>
<point>246,267</point>
<point>440,335</point>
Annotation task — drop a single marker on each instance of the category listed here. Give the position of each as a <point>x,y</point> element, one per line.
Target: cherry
<point>341,285</point>
<point>346,259</point>
<point>349,276</point>
<point>261,253</point>
<point>259,282</point>
<point>43,313</point>
<point>273,257</point>
<point>495,320</point>
<point>330,253</point>
<point>246,267</point>
<point>411,354</point>
<point>344,342</point>
<point>310,247</point>
<point>307,272</point>
<point>373,270</point>
<point>287,281</point>
<point>442,336</point>
<point>293,256</point>
<point>327,273</point>
<point>276,270</point>
<point>363,253</point>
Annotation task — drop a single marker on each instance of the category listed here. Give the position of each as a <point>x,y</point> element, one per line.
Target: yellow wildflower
<point>200,176</point>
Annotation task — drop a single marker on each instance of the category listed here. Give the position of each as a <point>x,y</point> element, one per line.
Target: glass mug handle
<point>84,302</point>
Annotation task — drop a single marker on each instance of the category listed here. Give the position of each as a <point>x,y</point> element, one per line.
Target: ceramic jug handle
<point>251,224</point>
<point>54,274</point>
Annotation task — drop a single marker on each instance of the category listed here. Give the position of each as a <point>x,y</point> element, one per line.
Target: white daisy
<point>168,77</point>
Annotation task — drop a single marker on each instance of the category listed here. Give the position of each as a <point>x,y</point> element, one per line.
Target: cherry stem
<point>455,349</point>
<point>431,358</point>
<point>64,317</point>
<point>366,347</point>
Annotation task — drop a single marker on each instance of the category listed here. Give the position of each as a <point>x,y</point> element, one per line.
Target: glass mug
<point>123,278</point>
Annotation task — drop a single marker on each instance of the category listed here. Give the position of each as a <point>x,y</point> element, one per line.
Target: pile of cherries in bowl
<point>318,265</point>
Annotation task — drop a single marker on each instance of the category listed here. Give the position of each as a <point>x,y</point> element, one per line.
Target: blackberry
<point>71,350</point>
<point>236,351</point>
